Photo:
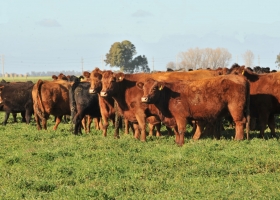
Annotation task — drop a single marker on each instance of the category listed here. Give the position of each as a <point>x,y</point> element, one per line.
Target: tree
<point>205,58</point>
<point>121,55</point>
<point>278,60</point>
<point>248,58</point>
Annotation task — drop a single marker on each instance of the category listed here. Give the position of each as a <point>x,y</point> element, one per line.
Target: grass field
<point>59,165</point>
<point>23,79</point>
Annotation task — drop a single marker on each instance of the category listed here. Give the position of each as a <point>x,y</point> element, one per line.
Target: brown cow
<point>107,105</point>
<point>50,98</point>
<point>264,96</point>
<point>205,99</point>
<point>122,87</point>
<point>60,76</point>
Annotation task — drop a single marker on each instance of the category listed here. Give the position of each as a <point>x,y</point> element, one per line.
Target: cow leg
<point>83,124</point>
<point>89,121</point>
<point>7,114</point>
<point>217,129</point>
<point>105,126</point>
<point>199,128</point>
<point>117,126</point>
<point>177,136</point>
<point>37,119</point>
<point>142,126</point>
<point>79,124</point>
<point>158,126</point>
<point>239,130</point>
<point>151,129</point>
<point>27,116</point>
<point>23,116</point>
<point>96,123</point>
<point>263,120</point>
<point>169,130</point>
<point>15,117</point>
<point>126,126</point>
<point>194,126</point>
<point>181,122</point>
<point>57,121</point>
<point>271,125</point>
<point>44,123</point>
<point>136,130</point>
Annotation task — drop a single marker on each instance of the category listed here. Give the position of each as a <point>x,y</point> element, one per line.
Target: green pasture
<point>51,164</point>
<point>23,79</point>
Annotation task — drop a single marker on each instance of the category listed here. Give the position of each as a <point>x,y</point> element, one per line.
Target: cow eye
<point>113,80</point>
<point>154,88</point>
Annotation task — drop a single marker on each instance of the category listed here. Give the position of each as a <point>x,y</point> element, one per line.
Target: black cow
<point>17,98</point>
<point>82,103</point>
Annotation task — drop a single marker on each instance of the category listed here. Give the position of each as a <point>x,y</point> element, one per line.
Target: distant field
<point>23,79</point>
<point>51,164</point>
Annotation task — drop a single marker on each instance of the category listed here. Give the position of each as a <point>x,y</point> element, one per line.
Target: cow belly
<point>130,116</point>
<point>202,111</point>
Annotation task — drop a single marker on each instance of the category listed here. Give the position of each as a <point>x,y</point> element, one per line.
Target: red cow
<point>50,98</point>
<point>107,105</point>
<point>122,87</point>
<point>205,99</point>
<point>264,96</point>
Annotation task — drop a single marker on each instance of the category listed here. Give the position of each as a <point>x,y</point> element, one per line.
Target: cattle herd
<point>202,98</point>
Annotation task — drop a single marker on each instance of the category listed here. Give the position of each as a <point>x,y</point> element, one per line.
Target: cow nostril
<point>92,91</point>
<point>103,94</point>
<point>144,99</point>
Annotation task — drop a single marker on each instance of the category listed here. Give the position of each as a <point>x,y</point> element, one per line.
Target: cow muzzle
<point>103,94</point>
<point>92,91</point>
<point>144,99</point>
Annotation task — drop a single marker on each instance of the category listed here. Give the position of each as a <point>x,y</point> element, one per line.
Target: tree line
<point>123,55</point>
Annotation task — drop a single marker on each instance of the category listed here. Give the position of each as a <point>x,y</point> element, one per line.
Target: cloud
<point>141,13</point>
<point>49,23</point>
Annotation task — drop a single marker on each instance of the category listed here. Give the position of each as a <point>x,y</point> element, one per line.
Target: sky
<point>51,35</point>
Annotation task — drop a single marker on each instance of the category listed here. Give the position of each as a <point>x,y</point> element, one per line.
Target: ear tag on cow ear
<point>160,88</point>
<point>120,78</point>
<point>243,72</point>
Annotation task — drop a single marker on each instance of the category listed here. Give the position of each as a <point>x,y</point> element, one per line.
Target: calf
<point>205,99</point>
<point>108,107</point>
<point>82,103</point>
<point>50,98</point>
<point>264,96</point>
<point>16,98</point>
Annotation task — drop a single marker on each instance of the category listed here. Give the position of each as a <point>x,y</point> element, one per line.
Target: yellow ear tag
<point>242,72</point>
<point>120,78</point>
<point>160,88</point>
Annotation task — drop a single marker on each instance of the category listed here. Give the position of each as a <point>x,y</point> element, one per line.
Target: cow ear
<point>86,74</point>
<point>161,85</point>
<point>97,75</point>
<point>119,76</point>
<point>140,85</point>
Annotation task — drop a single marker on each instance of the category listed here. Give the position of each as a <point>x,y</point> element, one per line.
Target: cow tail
<point>38,99</point>
<point>72,102</point>
<point>248,115</point>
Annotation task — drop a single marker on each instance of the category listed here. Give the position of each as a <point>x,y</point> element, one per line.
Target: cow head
<point>110,83</point>
<point>236,69</point>
<point>95,81</point>
<point>151,89</point>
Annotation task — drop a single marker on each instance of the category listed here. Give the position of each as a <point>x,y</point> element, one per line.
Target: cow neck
<point>268,84</point>
<point>119,96</point>
<point>251,77</point>
<point>163,103</point>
